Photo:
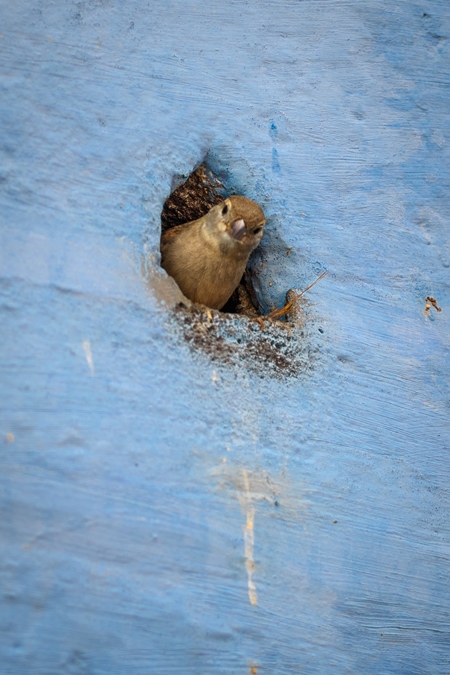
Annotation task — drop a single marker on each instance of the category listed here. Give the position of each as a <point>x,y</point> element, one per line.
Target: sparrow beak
<point>238,229</point>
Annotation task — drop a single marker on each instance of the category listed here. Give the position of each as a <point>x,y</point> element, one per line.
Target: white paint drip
<point>88,353</point>
<point>249,539</point>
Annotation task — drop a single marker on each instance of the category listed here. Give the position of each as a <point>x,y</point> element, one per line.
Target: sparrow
<point>207,257</point>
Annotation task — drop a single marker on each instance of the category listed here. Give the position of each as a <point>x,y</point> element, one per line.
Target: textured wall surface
<point>164,513</point>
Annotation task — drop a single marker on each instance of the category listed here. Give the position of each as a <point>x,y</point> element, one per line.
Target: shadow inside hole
<point>193,198</point>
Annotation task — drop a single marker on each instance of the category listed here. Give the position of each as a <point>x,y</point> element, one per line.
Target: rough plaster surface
<point>162,513</point>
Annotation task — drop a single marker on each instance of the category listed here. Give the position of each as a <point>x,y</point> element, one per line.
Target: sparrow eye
<point>225,210</point>
<point>257,229</point>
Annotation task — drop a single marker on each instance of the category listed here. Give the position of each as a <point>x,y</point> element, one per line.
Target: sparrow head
<point>237,223</point>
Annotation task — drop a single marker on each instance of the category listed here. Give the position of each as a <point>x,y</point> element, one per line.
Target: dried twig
<point>431,302</point>
<point>277,313</point>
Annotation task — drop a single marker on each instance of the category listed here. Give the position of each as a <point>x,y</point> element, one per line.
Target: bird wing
<point>168,237</point>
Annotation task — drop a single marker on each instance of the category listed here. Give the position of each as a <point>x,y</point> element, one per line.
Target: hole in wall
<point>241,333</point>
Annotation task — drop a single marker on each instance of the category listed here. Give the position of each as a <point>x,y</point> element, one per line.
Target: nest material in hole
<point>192,199</point>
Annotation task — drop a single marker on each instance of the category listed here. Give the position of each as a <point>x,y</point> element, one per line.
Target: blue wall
<point>163,513</point>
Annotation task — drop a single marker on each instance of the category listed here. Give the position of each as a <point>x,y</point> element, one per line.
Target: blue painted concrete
<point>149,495</point>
